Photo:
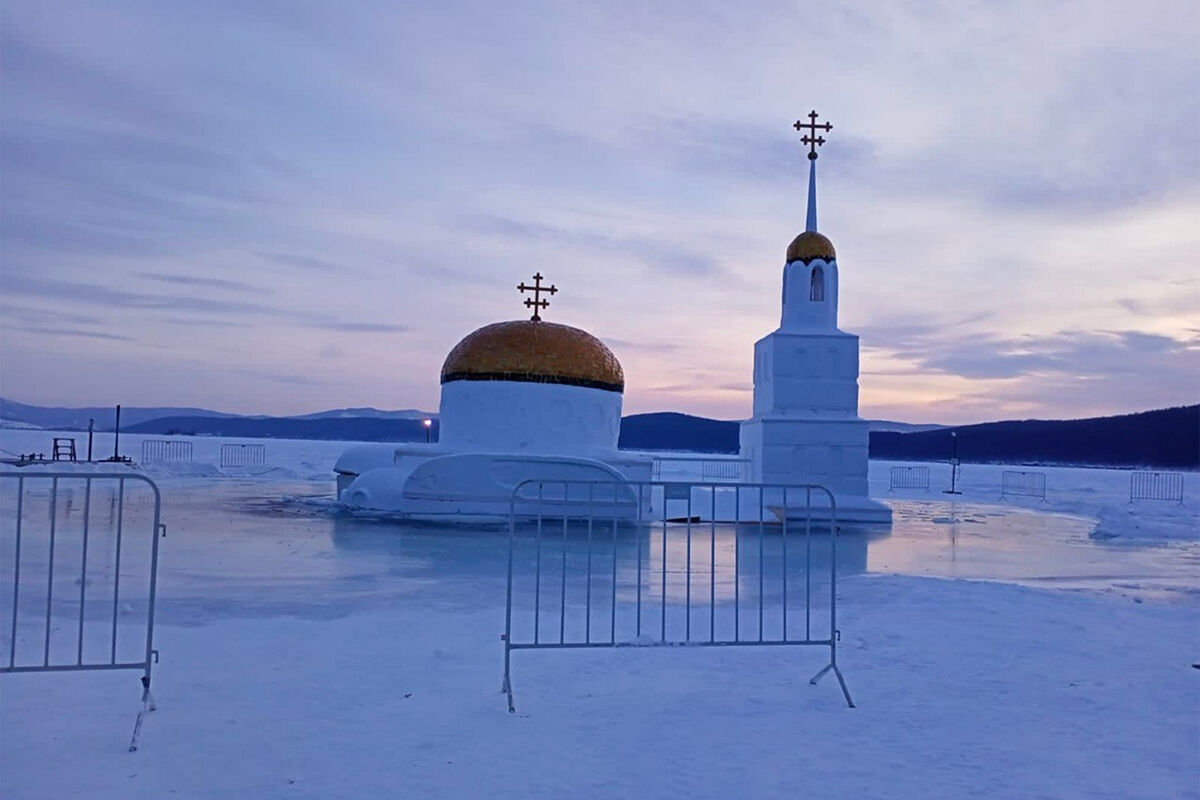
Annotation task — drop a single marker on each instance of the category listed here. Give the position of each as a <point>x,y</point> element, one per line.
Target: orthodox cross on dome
<point>537,304</point>
<point>811,138</point>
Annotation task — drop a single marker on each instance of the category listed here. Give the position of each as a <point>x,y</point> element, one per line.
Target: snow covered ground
<point>307,654</point>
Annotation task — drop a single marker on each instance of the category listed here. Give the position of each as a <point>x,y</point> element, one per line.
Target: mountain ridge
<point>1158,438</point>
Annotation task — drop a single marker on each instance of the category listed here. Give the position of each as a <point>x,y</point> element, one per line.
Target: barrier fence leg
<point>147,706</point>
<point>507,686</point>
<point>841,681</point>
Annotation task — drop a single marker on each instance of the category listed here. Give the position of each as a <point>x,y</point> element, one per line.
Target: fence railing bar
<point>688,572</point>
<point>587,625</point>
<point>508,593</point>
<point>12,645</point>
<point>737,574</point>
<point>612,620</point>
<point>50,571</point>
<point>117,565</point>
<point>639,561</point>
<point>562,597</point>
<point>761,532</point>
<point>783,549</point>
<point>808,563</point>
<point>87,514</point>
<point>537,588</point>
<point>147,700</point>
<point>663,620</point>
<point>712,567</point>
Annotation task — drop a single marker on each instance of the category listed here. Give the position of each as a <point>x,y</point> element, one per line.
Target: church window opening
<point>816,291</point>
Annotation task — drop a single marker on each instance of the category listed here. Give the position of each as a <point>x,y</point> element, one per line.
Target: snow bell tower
<point>806,427</point>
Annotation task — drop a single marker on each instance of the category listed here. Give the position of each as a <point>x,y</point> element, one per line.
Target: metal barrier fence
<point>154,450</point>
<point>711,469</point>
<point>909,478</point>
<point>243,455</point>
<point>92,565</point>
<point>588,567</point>
<point>1156,486</point>
<point>1024,484</point>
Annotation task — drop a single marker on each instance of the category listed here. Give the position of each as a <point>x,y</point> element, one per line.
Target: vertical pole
<point>117,437</point>
<point>612,621</point>
<point>783,557</point>
<point>87,513</point>
<point>153,588</point>
<point>833,631</point>
<point>562,597</point>
<point>833,537</point>
<point>808,564</point>
<point>91,431</point>
<point>508,592</point>
<point>639,558</point>
<point>737,579</point>
<point>50,578</point>
<point>760,562</point>
<point>663,622</point>
<point>537,579</point>
<point>12,643</point>
<point>712,565</point>
<point>687,574</point>
<point>117,566</point>
<point>587,624</point>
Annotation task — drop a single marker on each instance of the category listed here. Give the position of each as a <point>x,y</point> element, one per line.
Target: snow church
<point>535,400</point>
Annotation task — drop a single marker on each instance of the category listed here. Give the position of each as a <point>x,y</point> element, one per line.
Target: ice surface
<point>311,654</point>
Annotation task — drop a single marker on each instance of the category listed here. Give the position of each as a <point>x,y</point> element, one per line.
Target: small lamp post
<point>428,427</point>
<point>953,465</point>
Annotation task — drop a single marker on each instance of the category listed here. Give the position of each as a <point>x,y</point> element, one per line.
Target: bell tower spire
<point>810,223</point>
<point>813,140</point>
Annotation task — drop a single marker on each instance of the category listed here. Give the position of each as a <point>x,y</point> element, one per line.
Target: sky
<point>282,207</point>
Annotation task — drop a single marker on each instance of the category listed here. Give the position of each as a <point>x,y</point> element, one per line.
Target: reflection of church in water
<point>536,400</point>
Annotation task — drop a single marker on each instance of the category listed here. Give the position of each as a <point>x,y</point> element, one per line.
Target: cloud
<point>649,252</point>
<point>292,380</point>
<point>304,262</point>
<point>647,347</point>
<point>34,316</point>
<point>936,349</point>
<point>113,337</point>
<point>361,327</point>
<point>110,297</point>
<point>206,323</point>
<point>196,280</point>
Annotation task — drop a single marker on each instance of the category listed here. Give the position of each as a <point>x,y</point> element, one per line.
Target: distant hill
<point>77,418</point>
<point>1169,437</point>
<point>356,429</point>
<point>900,427</point>
<point>374,413</point>
<point>668,430</point>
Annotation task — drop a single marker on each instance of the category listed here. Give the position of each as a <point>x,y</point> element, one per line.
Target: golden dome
<point>810,246</point>
<point>534,352</point>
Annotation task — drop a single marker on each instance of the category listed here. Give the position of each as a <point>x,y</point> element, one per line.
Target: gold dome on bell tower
<point>809,246</point>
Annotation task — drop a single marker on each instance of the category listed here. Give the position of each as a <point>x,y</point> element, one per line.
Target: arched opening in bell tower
<point>816,291</point>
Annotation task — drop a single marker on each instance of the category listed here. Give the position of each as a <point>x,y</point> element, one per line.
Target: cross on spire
<point>811,138</point>
<point>537,304</point>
